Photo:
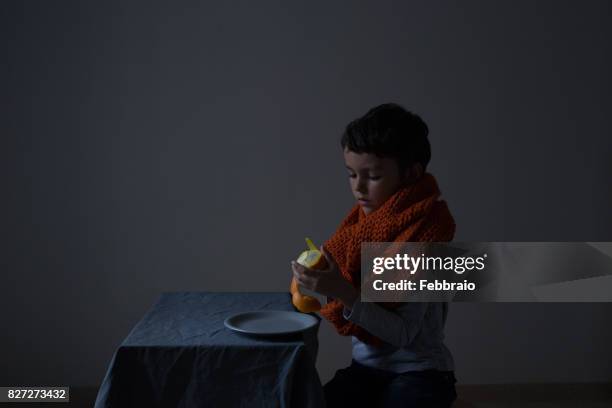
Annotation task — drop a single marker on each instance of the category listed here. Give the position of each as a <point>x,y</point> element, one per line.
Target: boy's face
<point>373,179</point>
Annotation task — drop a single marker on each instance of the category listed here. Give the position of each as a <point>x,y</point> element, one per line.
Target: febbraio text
<point>413,264</point>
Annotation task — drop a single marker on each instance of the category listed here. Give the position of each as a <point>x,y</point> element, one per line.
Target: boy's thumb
<point>327,256</point>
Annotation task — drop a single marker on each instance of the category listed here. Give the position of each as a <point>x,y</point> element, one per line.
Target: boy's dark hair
<point>389,130</point>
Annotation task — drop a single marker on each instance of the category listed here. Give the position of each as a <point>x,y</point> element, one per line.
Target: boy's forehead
<point>363,160</point>
<point>363,166</point>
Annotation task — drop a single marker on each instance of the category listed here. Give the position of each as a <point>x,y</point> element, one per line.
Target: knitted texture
<point>412,214</point>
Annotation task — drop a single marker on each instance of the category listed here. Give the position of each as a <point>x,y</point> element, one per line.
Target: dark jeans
<point>361,386</point>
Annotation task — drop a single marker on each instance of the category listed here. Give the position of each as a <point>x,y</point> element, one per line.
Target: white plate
<point>270,322</point>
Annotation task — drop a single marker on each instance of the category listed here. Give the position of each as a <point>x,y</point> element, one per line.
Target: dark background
<point>149,147</point>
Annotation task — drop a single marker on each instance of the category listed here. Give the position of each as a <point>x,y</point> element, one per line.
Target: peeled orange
<point>313,259</point>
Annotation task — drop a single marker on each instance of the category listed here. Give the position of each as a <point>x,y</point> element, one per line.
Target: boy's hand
<point>327,282</point>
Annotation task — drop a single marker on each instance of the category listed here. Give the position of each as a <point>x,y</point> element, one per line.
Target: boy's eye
<point>352,175</point>
<point>374,178</point>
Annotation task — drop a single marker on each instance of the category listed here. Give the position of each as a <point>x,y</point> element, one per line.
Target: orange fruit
<point>304,303</point>
<point>313,259</point>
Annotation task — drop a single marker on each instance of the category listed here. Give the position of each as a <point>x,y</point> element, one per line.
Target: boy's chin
<point>366,209</point>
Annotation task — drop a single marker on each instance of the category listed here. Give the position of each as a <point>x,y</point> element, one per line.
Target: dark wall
<point>158,147</point>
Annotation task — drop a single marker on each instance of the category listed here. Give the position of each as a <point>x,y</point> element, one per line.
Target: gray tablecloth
<point>181,355</point>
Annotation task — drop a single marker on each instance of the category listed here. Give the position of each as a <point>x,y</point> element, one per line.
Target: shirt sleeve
<point>397,327</point>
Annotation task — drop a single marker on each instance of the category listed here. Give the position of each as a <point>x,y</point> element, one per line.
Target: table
<point>181,355</point>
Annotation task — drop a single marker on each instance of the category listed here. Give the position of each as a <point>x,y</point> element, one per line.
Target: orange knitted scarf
<point>412,214</point>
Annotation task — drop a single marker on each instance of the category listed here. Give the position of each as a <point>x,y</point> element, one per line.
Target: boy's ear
<point>413,173</point>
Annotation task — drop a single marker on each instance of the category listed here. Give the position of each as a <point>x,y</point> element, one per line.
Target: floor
<point>470,396</point>
<point>535,396</point>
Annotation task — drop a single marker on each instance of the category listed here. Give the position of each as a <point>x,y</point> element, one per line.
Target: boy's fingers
<point>297,276</point>
<point>330,259</point>
<point>297,267</point>
<point>302,271</point>
<point>313,273</point>
<point>302,280</point>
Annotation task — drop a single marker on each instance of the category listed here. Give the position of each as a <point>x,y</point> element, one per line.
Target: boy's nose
<point>361,186</point>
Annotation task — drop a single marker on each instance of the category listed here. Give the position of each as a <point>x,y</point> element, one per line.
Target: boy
<point>399,358</point>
